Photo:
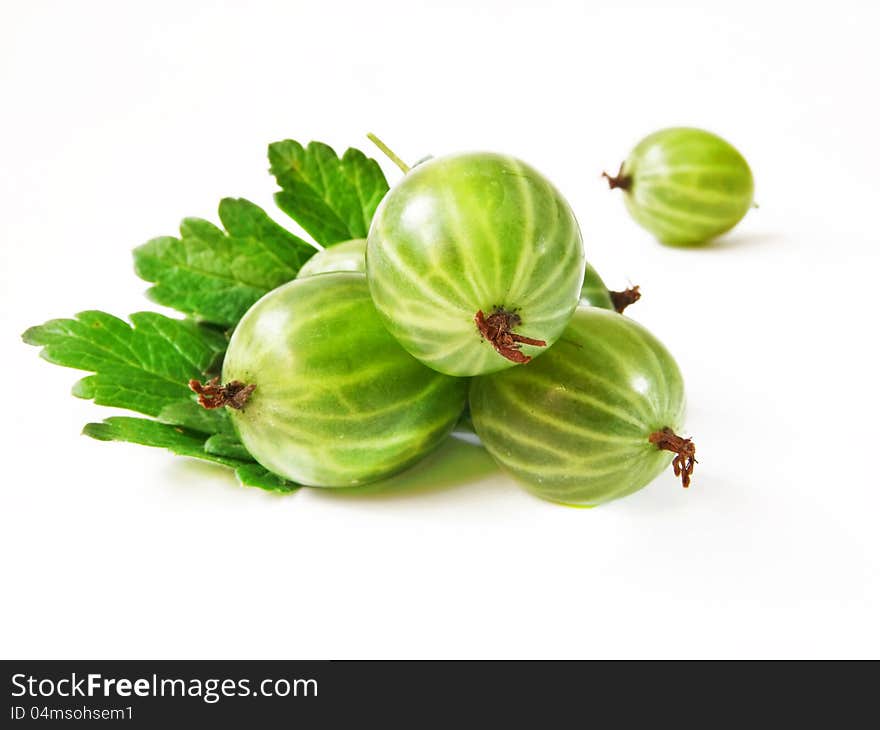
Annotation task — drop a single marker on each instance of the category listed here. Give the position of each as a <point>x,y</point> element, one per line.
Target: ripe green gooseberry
<point>320,393</point>
<point>686,186</point>
<point>594,293</point>
<point>475,263</point>
<point>345,256</point>
<point>591,420</point>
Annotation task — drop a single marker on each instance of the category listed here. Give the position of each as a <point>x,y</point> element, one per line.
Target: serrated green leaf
<point>184,442</point>
<point>143,366</point>
<point>215,275</point>
<point>333,199</point>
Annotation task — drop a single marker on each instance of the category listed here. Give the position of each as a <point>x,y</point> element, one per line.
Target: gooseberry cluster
<point>472,292</point>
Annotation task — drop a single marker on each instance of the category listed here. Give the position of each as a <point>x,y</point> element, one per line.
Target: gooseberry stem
<point>498,329</point>
<point>624,182</point>
<point>389,153</point>
<point>620,300</point>
<point>685,452</point>
<point>234,394</point>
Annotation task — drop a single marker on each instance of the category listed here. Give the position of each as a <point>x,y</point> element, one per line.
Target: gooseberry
<point>594,293</point>
<point>320,393</point>
<point>591,420</point>
<point>345,256</point>
<point>686,186</point>
<point>475,263</point>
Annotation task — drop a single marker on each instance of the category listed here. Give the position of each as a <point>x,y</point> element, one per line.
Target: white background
<point>118,119</point>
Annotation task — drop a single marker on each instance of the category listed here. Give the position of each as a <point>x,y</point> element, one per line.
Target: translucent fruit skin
<point>573,425</point>
<point>345,256</point>
<point>473,232</point>
<point>337,402</point>
<point>687,185</point>
<point>594,293</point>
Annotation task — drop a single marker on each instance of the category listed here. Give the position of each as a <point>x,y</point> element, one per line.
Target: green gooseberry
<point>475,262</point>
<point>594,293</point>
<point>345,256</point>
<point>591,420</point>
<point>320,393</point>
<point>685,185</point>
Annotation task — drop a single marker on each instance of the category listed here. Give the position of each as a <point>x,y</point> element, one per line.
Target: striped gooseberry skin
<point>337,401</point>
<point>350,256</point>
<point>686,186</point>
<point>345,256</point>
<point>594,293</point>
<point>467,233</point>
<point>573,425</point>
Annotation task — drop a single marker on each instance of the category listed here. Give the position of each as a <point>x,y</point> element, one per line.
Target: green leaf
<point>184,442</point>
<point>143,366</point>
<point>222,444</point>
<point>189,414</point>
<point>254,475</point>
<point>214,275</point>
<point>333,199</point>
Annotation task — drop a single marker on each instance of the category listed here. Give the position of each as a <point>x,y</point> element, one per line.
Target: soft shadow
<point>195,474</point>
<point>732,241</point>
<point>456,463</point>
<point>459,460</point>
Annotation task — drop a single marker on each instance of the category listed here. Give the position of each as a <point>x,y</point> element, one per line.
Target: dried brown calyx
<point>624,182</point>
<point>620,300</point>
<point>214,395</point>
<point>497,328</point>
<point>684,450</point>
